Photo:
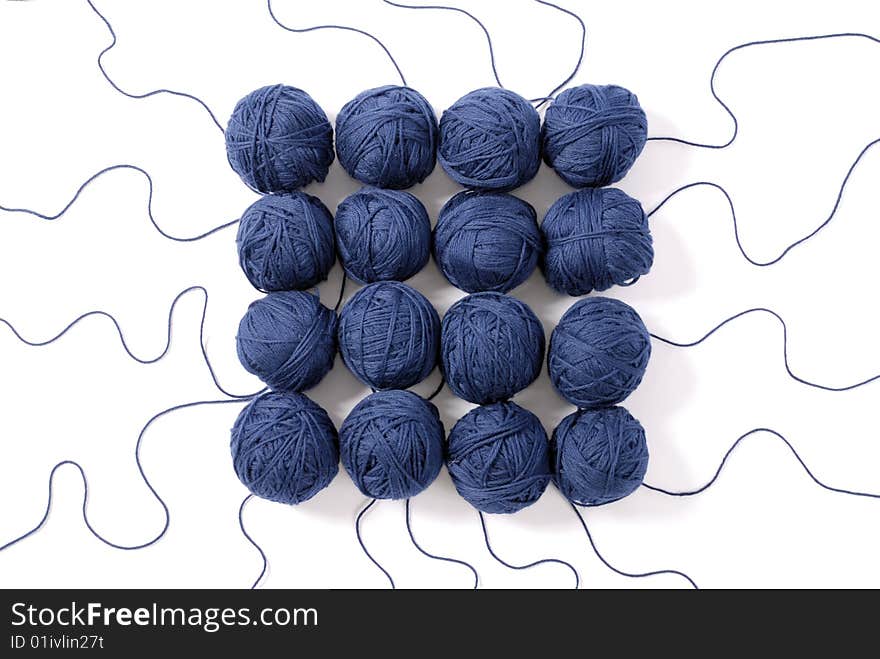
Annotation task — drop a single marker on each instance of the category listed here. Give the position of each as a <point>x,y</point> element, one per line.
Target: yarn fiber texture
<point>596,238</point>
<point>389,335</point>
<point>598,352</point>
<point>599,456</point>
<point>499,458</point>
<point>285,242</point>
<point>392,444</point>
<point>487,241</point>
<point>387,137</point>
<point>491,347</point>
<point>284,447</point>
<point>382,235</point>
<point>490,140</point>
<point>593,134</point>
<point>288,340</point>
<point>278,139</point>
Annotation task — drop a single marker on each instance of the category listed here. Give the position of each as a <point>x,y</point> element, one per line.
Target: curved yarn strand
<point>338,27</point>
<point>341,292</point>
<point>788,369</point>
<point>726,108</point>
<point>632,575</point>
<point>146,480</point>
<point>777,435</point>
<point>580,60</point>
<point>437,391</point>
<point>435,556</point>
<point>125,347</point>
<point>469,15</point>
<point>357,530</point>
<point>541,100</point>
<point>154,92</point>
<point>761,264</point>
<point>106,170</point>
<point>252,541</point>
<point>559,561</point>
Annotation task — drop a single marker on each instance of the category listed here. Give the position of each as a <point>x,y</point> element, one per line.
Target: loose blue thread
<point>788,369</point>
<point>112,168</point>
<point>338,27</point>
<point>542,99</point>
<point>251,540</point>
<point>558,561</point>
<point>778,435</point>
<point>357,530</point>
<point>155,92</point>
<point>796,243</point>
<point>140,470</point>
<point>749,44</point>
<point>435,556</point>
<point>469,15</point>
<point>633,575</point>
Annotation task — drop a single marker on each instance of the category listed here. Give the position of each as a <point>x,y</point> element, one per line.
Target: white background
<point>806,110</point>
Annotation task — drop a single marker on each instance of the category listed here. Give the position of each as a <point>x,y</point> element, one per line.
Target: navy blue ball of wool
<point>598,352</point>
<point>499,458</point>
<point>278,139</point>
<point>598,456</point>
<point>389,335</point>
<point>288,340</point>
<point>285,242</point>
<point>387,137</point>
<point>490,139</point>
<point>487,241</point>
<point>491,347</point>
<point>284,447</point>
<point>593,134</point>
<point>382,235</point>
<point>595,238</point>
<point>391,444</point>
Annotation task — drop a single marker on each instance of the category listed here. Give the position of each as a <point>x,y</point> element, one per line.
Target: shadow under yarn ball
<point>389,335</point>
<point>596,238</point>
<point>598,352</point>
<point>491,347</point>
<point>387,137</point>
<point>487,241</point>
<point>599,456</point>
<point>391,444</point>
<point>285,242</point>
<point>499,458</point>
<point>284,447</point>
<point>592,134</point>
<point>288,340</point>
<point>278,139</point>
<point>490,140</point>
<point>382,235</point>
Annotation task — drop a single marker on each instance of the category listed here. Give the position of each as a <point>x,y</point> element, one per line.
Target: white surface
<point>805,110</point>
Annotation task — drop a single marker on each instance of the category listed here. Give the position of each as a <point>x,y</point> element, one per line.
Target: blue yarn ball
<point>278,139</point>
<point>387,137</point>
<point>285,242</point>
<point>593,134</point>
<point>491,347</point>
<point>487,241</point>
<point>595,238</point>
<point>499,458</point>
<point>382,235</point>
<point>284,447</point>
<point>598,456</point>
<point>389,335</point>
<point>392,444</point>
<point>288,340</point>
<point>490,140</point>
<point>598,352</point>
